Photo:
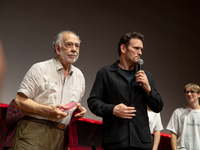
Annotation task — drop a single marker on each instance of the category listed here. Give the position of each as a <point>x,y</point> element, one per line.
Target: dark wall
<point>171,48</point>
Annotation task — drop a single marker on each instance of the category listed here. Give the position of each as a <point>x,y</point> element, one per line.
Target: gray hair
<point>58,38</point>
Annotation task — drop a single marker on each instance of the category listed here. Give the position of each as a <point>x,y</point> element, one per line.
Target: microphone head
<point>140,62</point>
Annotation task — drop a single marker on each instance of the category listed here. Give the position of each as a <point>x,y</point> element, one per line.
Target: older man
<point>44,91</point>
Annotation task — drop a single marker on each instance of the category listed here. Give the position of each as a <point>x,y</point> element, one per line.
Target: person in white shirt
<point>185,122</point>
<point>45,89</point>
<point>156,126</point>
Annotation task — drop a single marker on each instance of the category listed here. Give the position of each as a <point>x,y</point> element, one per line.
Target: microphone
<point>140,63</point>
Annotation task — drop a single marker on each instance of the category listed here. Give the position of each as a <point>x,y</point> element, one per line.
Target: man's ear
<point>57,49</point>
<point>123,48</point>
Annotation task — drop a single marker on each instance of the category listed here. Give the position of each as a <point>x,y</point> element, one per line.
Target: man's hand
<point>82,109</point>
<point>122,111</point>
<point>29,105</point>
<point>55,112</point>
<point>142,78</point>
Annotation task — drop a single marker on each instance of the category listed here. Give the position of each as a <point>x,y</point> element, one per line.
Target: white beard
<point>65,57</point>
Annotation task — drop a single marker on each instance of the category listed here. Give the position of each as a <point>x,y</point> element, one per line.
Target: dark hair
<point>127,37</point>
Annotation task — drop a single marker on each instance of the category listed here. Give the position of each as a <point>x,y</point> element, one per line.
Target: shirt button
<point>126,88</point>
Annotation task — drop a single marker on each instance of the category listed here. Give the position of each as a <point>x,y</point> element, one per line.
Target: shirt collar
<point>59,66</point>
<point>115,67</point>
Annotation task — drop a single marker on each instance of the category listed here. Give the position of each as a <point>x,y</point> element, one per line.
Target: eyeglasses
<point>192,92</point>
<point>70,45</point>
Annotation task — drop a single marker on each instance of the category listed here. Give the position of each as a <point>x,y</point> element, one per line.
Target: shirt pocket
<point>76,95</point>
<point>51,91</point>
<point>115,131</point>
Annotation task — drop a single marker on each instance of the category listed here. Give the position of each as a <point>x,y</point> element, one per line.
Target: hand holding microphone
<point>141,77</point>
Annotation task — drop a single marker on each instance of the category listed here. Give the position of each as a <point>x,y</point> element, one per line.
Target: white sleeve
<point>158,123</point>
<point>31,81</point>
<point>173,123</point>
<point>155,123</point>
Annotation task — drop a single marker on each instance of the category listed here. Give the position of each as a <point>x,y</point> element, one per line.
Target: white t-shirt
<point>155,122</point>
<point>185,123</point>
<point>45,84</point>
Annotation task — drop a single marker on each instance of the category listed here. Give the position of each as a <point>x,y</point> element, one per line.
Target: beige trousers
<point>35,136</point>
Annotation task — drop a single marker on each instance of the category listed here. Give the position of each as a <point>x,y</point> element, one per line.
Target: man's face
<point>191,95</point>
<point>69,50</point>
<point>133,51</point>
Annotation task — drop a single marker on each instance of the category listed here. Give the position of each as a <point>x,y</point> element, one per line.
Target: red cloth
<point>71,139</point>
<point>13,115</point>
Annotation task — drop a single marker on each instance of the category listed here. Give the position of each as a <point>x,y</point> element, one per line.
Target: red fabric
<point>71,133</point>
<point>90,121</point>
<point>13,115</point>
